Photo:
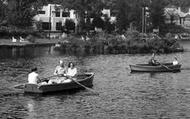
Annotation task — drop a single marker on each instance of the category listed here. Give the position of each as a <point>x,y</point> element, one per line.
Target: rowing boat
<point>83,79</point>
<point>165,67</point>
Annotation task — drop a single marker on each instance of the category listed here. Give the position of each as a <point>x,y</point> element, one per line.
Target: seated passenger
<point>33,77</point>
<point>14,39</point>
<point>22,39</point>
<point>175,62</point>
<point>60,71</point>
<point>72,70</point>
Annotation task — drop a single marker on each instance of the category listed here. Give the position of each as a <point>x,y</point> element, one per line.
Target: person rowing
<point>152,61</point>
<point>33,76</point>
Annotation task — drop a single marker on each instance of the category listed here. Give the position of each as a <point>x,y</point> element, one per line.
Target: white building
<point>179,17</point>
<point>54,16</point>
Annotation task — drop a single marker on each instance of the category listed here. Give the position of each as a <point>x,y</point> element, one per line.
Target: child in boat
<point>33,77</point>
<point>175,62</point>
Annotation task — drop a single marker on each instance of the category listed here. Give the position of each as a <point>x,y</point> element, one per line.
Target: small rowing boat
<point>81,81</point>
<point>165,67</point>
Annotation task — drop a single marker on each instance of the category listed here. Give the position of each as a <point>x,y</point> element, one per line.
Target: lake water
<point>122,95</point>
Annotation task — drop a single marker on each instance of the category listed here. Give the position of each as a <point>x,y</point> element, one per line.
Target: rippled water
<point>122,95</point>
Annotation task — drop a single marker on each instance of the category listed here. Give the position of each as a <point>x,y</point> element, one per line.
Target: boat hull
<point>168,67</point>
<point>85,79</point>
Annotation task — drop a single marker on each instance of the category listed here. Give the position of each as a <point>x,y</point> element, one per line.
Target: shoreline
<point>38,42</point>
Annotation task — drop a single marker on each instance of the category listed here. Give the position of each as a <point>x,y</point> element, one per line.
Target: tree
<point>69,25</point>
<point>3,9</point>
<point>20,13</point>
<point>122,21</point>
<point>157,14</point>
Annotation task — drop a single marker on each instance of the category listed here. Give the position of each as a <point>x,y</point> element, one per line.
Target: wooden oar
<point>83,86</point>
<point>165,66</point>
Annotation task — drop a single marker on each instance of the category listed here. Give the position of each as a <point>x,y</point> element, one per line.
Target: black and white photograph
<point>94,59</point>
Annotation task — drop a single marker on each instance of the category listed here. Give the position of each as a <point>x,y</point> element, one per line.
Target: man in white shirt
<point>33,77</point>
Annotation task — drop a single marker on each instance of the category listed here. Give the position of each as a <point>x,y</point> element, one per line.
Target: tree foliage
<point>157,13</point>
<point>20,13</point>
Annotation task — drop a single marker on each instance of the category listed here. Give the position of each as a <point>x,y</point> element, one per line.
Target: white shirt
<point>72,72</point>
<point>175,62</point>
<point>33,78</point>
<point>59,70</point>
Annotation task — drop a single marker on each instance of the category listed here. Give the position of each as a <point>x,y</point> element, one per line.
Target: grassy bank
<point>129,42</point>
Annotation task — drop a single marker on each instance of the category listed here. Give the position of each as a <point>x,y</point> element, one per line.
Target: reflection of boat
<point>166,67</point>
<point>83,79</point>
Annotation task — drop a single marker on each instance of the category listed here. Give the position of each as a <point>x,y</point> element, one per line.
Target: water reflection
<point>27,51</point>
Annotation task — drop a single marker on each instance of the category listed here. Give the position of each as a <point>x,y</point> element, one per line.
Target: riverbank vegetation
<point>129,42</point>
<point>16,19</point>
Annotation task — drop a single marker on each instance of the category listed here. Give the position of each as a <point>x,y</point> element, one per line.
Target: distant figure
<point>123,37</point>
<point>64,35</point>
<point>87,38</point>
<point>82,38</point>
<point>14,39</point>
<point>33,77</point>
<point>175,62</point>
<point>176,37</point>
<point>58,44</point>
<point>152,61</point>
<point>22,39</point>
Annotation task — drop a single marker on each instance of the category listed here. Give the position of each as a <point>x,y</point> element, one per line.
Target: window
<point>41,12</point>
<point>58,25</point>
<point>57,14</point>
<point>65,14</point>
<point>46,26</point>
